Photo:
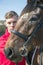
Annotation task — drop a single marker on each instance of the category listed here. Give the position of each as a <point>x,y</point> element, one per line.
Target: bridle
<point>28,38</point>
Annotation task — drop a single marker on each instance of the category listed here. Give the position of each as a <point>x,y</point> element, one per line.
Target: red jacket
<point>3,59</point>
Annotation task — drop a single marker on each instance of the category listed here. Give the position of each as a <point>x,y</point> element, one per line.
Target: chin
<point>16,59</point>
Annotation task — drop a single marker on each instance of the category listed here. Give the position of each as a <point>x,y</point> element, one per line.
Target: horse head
<point>28,21</point>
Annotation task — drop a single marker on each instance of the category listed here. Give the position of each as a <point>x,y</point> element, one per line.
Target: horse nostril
<point>8,52</point>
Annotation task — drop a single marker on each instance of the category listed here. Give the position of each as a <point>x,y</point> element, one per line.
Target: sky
<point>11,5</point>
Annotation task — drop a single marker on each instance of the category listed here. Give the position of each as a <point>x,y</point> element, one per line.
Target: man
<point>11,19</point>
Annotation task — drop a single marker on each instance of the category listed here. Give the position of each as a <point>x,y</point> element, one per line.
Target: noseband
<point>20,34</point>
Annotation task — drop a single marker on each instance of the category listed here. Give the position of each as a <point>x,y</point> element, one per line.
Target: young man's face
<point>10,23</point>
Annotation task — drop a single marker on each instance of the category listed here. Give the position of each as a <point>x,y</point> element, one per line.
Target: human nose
<point>12,24</point>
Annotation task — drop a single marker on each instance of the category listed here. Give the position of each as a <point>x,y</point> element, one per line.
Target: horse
<point>26,40</point>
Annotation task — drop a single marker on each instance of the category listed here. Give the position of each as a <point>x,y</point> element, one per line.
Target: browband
<point>40,5</point>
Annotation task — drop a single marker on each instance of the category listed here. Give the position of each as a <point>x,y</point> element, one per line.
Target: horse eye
<point>34,19</point>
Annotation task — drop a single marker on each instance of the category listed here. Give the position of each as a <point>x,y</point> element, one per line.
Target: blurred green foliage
<point>2,21</point>
<point>2,29</point>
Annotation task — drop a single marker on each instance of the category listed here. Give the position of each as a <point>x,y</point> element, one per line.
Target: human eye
<point>9,22</point>
<point>14,21</point>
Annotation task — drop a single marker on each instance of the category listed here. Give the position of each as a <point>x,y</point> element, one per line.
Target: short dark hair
<point>10,14</point>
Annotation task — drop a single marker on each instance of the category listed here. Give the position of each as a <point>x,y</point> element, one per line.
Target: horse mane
<point>29,7</point>
<point>38,1</point>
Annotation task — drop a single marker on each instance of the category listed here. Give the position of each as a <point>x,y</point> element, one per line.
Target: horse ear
<point>41,1</point>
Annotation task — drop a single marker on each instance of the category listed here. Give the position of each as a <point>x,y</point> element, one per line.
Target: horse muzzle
<point>10,54</point>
